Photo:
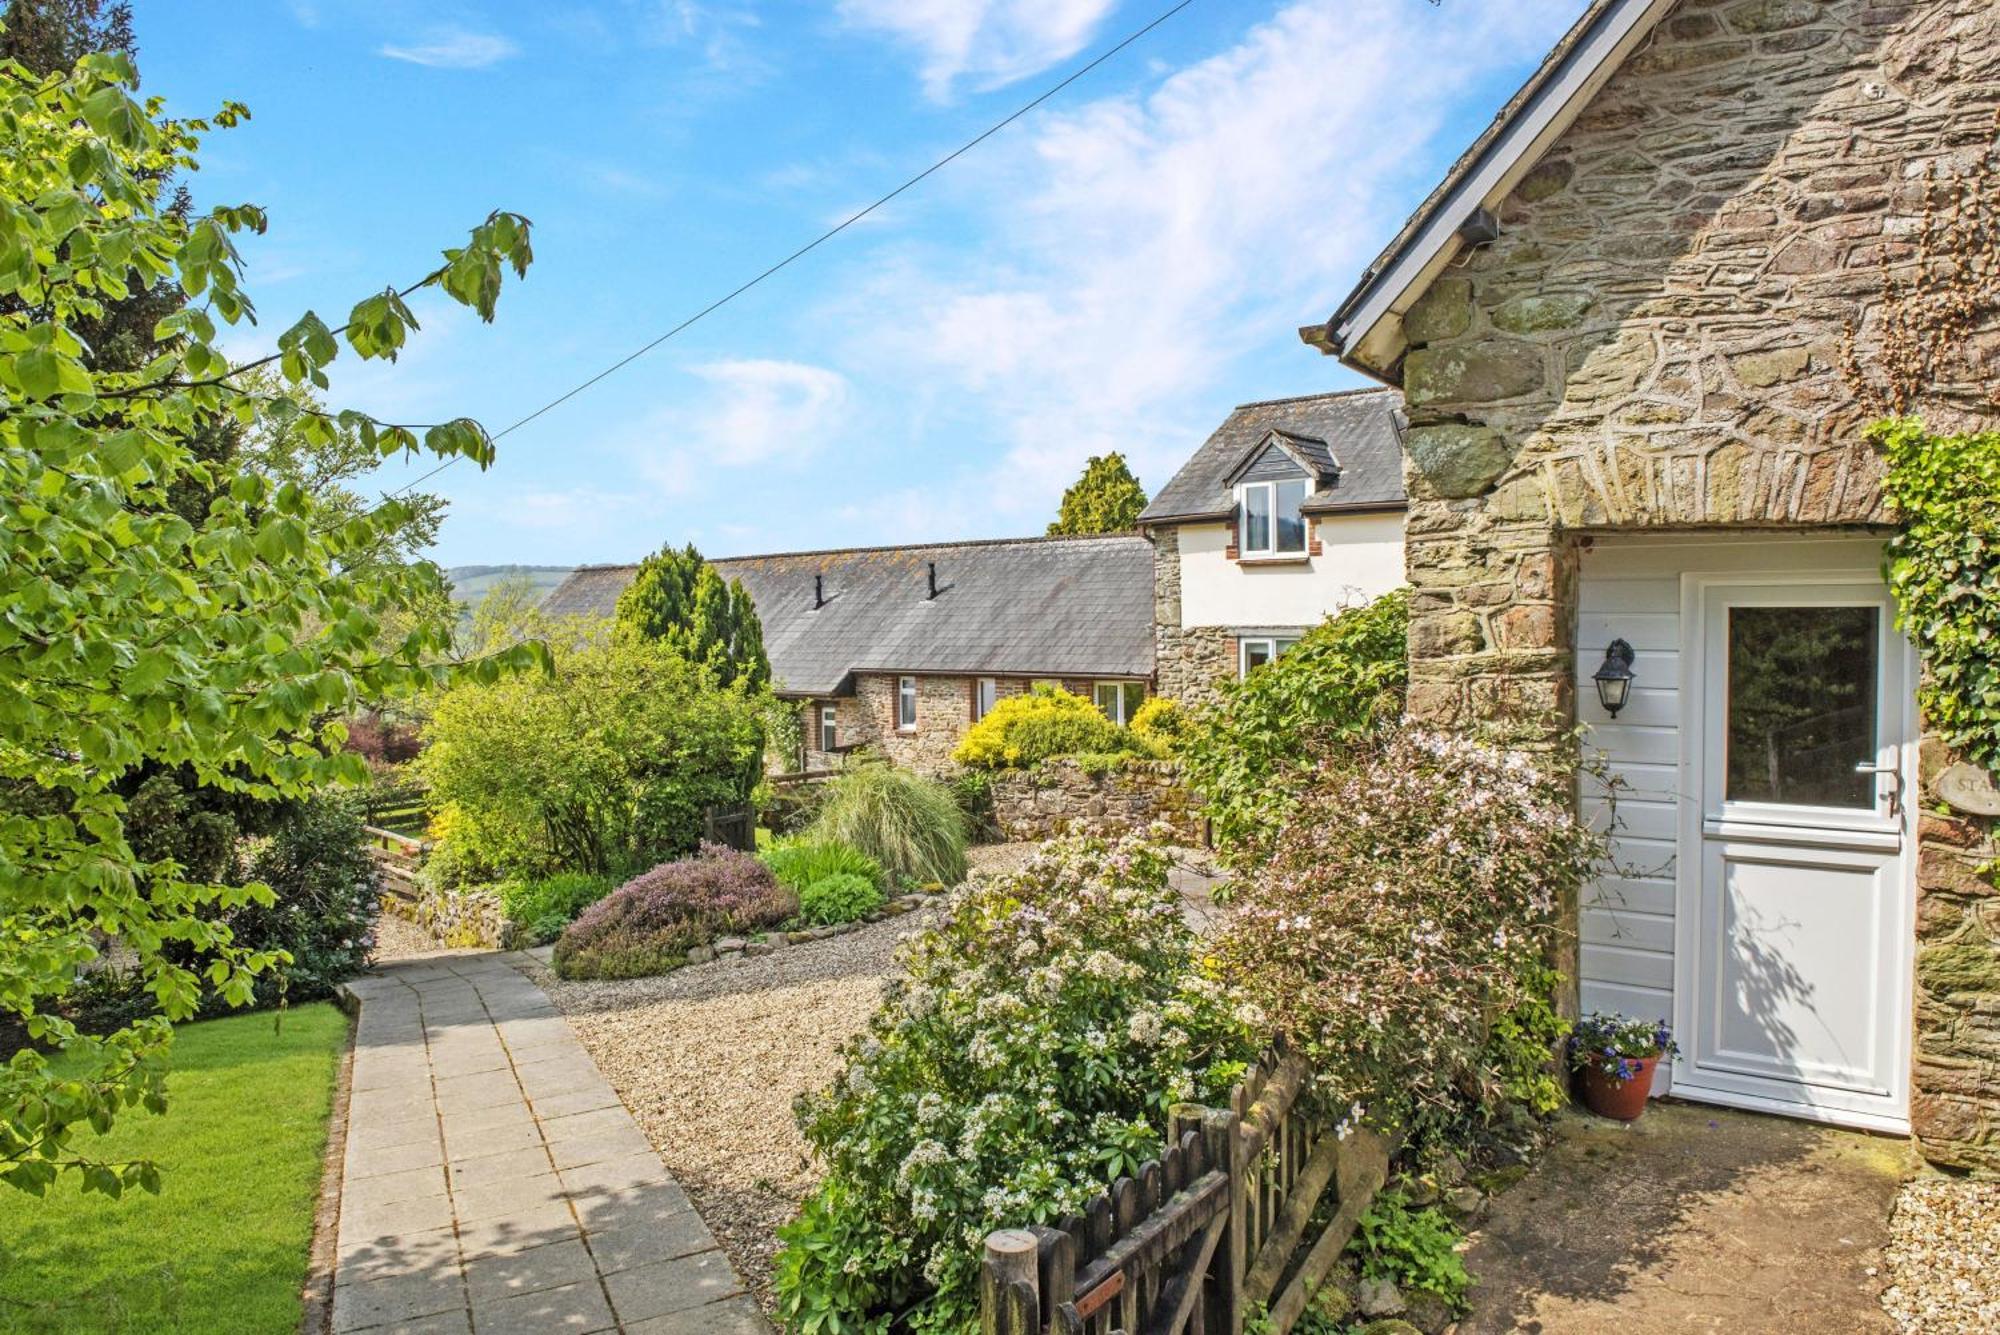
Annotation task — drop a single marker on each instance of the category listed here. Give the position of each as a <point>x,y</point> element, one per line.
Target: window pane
<point>1291,524</point>
<point>1257,519</point>
<point>1135,695</point>
<point>1284,646</point>
<point>1105,695</point>
<point>1256,653</point>
<point>826,729</point>
<point>983,700</point>
<point>906,708</point>
<point>1802,705</point>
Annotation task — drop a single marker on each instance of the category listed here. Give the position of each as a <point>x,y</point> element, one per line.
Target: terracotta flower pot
<point>1608,1096</point>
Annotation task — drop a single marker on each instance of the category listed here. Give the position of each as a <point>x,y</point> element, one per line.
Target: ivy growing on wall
<point>1926,343</point>
<point>1944,568</point>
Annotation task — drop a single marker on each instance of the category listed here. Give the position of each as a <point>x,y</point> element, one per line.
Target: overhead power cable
<point>815,243</point>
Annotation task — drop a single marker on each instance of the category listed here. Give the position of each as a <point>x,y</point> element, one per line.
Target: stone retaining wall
<point>456,918</point>
<point>1058,795</point>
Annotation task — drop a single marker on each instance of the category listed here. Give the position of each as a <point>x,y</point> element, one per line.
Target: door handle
<point>1893,771</point>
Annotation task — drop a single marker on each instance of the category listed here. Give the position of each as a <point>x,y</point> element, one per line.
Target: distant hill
<point>470,583</point>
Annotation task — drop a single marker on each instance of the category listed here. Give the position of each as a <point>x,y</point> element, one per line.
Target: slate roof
<point>1359,430</point>
<point>1026,607</point>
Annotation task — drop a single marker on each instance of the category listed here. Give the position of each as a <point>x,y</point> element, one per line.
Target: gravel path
<point>1944,1257</point>
<point>709,1058</point>
<point>400,939</point>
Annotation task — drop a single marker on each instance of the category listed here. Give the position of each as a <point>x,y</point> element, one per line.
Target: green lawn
<point>223,1247</point>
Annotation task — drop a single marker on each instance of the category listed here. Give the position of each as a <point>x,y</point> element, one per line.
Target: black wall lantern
<point>1614,677</point>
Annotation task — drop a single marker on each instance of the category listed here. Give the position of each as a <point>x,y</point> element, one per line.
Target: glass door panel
<point>1802,703</point>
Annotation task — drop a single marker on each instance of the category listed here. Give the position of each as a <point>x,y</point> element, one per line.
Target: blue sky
<point>1113,272</point>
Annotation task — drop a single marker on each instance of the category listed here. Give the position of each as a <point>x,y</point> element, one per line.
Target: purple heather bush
<point>649,924</point>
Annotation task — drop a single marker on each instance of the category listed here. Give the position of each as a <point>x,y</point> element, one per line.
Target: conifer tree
<point>1106,499</point>
<point>679,598</point>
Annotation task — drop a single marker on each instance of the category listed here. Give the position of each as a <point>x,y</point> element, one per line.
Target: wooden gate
<point>398,857</point>
<point>1201,1237</point>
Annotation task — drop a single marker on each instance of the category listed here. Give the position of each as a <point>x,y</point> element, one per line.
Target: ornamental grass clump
<point>1403,918</point>
<point>909,824</point>
<point>1028,1058</point>
<point>649,924</point>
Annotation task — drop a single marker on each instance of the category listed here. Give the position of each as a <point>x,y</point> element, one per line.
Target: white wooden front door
<point>1793,961</point>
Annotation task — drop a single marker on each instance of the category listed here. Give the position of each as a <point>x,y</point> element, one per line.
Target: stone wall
<point>1058,795</point>
<point>944,711</point>
<point>1189,663</point>
<point>1956,1102</point>
<point>1653,342</point>
<point>464,918</point>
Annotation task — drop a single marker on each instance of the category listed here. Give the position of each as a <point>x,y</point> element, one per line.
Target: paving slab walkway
<point>493,1181</point>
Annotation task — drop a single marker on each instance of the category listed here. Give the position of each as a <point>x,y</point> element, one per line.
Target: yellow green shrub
<point>1024,730</point>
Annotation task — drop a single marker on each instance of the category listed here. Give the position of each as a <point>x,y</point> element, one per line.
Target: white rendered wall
<point>1361,559</point>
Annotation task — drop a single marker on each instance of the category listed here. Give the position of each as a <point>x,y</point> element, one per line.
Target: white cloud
<point>719,32</point>
<point>622,181</point>
<point>750,412</point>
<point>1142,243</point>
<point>454,49</point>
<point>991,43</point>
<point>761,409</point>
<point>566,510</point>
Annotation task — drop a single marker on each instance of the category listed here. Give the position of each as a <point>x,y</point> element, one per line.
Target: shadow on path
<point>1693,1218</point>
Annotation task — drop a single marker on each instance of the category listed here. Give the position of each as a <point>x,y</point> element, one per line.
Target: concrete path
<point>494,1182</point>
<point>1692,1218</point>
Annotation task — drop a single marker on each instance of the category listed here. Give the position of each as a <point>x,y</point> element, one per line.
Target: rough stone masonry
<point>1652,342</point>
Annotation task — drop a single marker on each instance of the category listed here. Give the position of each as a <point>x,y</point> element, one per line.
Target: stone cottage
<point>899,650</point>
<point>1290,510</point>
<point>1616,325</point>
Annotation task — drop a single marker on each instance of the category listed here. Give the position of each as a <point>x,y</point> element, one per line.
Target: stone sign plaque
<point>1969,789</point>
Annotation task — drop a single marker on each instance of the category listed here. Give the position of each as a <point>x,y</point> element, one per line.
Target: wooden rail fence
<point>398,857</point>
<point>1200,1237</point>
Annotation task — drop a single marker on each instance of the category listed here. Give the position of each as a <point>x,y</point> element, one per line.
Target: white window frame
<point>1117,713</point>
<point>906,704</point>
<point>1274,649</point>
<point>1270,551</point>
<point>829,728</point>
<point>985,695</point>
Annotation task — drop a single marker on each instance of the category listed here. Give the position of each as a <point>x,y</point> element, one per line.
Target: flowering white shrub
<point>1404,918</point>
<point>1029,1058</point>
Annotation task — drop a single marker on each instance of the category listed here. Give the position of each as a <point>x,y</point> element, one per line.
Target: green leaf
<point>148,672</point>
<point>39,372</point>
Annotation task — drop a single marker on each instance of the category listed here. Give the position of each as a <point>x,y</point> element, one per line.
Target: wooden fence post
<point>1055,1271</point>
<point>1222,1131</point>
<point>1010,1284</point>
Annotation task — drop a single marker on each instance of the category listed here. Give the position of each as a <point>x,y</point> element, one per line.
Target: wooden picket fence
<point>398,857</point>
<point>1199,1239</point>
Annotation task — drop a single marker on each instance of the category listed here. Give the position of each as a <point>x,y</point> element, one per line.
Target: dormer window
<point>1270,518</point>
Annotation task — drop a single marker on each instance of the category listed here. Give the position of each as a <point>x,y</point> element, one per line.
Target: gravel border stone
<point>1944,1256</point>
<point>709,1058</point>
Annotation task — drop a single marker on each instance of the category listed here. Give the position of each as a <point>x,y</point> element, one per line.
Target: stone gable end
<point>1653,342</point>
<point>1653,339</point>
